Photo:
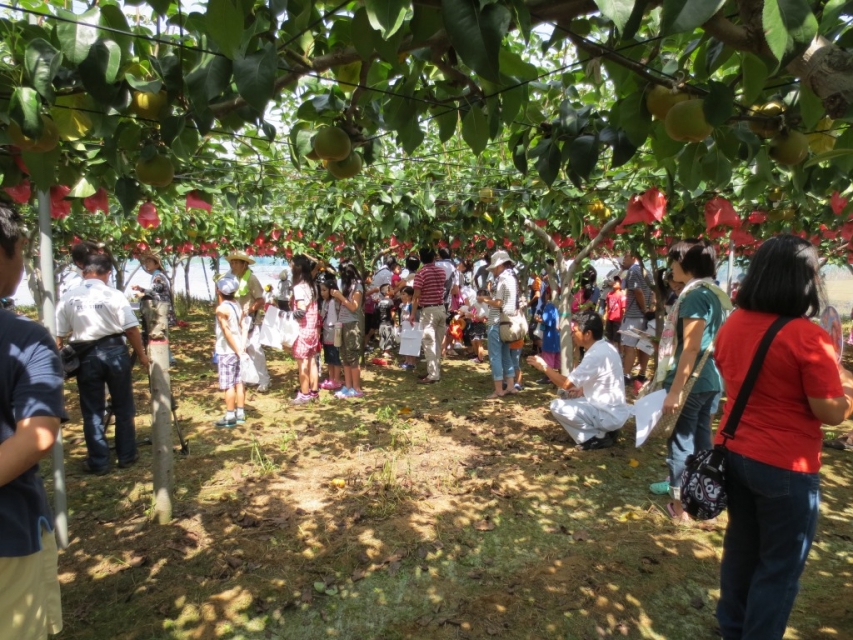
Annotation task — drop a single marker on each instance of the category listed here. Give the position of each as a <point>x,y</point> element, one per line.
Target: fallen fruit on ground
<point>332,143</point>
<point>789,148</point>
<point>156,172</point>
<point>686,122</point>
<point>660,99</point>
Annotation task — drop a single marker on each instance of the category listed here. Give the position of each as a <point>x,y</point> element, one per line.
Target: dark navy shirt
<point>31,386</point>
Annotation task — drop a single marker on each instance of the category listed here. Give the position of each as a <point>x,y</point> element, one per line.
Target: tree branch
<point>454,74</point>
<point>602,234</point>
<point>729,33</point>
<point>546,238</point>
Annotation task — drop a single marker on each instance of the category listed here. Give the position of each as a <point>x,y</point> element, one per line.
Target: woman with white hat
<point>504,300</point>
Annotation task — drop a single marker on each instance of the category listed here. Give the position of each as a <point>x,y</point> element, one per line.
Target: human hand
<point>574,393</point>
<point>144,361</point>
<point>537,362</point>
<point>672,402</point>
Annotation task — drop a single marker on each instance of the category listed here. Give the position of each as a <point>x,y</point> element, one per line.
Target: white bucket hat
<point>498,259</point>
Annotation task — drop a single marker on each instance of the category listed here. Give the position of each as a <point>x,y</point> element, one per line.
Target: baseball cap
<point>227,285</point>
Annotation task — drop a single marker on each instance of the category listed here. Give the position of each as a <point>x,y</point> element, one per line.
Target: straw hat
<point>498,259</point>
<point>240,255</point>
<point>150,255</point>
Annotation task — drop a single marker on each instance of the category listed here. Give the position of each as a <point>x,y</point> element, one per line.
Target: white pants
<point>583,421</point>
<point>256,352</point>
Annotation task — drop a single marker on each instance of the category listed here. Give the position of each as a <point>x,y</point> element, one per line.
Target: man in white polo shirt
<point>596,408</point>
<point>96,319</point>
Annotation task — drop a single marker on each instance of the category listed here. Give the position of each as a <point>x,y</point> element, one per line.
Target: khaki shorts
<point>352,338</point>
<point>30,605</point>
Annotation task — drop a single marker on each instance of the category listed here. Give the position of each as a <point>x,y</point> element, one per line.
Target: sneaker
<point>518,387</point>
<point>226,423</point>
<point>660,488</point>
<point>301,398</point>
<point>263,388</point>
<point>637,385</point>
<point>314,393</point>
<point>543,381</point>
<point>327,384</point>
<point>477,360</point>
<point>241,418</point>
<point>355,394</point>
<point>594,444</point>
<point>129,463</point>
<point>343,393</point>
<point>95,472</point>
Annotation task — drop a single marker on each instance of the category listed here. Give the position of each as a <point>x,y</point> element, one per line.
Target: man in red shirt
<point>429,298</point>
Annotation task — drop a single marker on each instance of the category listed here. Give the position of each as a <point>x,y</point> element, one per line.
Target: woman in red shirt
<point>774,458</point>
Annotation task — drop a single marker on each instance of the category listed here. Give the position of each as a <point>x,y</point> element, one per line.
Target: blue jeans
<point>772,520</point>
<point>515,357</point>
<point>107,364</point>
<point>500,359</point>
<point>692,433</point>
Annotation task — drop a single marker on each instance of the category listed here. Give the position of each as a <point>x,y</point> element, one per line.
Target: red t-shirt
<point>777,426</point>
<point>616,303</point>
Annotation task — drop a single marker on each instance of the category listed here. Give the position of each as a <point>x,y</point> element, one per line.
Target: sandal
<point>681,518</point>
<point>660,488</point>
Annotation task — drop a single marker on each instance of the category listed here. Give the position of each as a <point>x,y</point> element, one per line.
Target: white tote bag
<point>289,328</point>
<point>271,329</point>
<point>248,371</point>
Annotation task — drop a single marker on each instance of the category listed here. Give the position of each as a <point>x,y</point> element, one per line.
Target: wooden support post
<point>161,429</point>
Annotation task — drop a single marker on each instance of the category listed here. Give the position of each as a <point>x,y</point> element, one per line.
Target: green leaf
<point>617,11</point>
<point>41,62</point>
<point>476,34</point>
<point>827,155</point>
<point>447,121</point>
<point>128,194</point>
<point>83,189</point>
<point>475,129</point>
<point>386,16</point>
<point>42,167</point>
<point>631,115</point>
<point>518,147</point>
<point>364,43</point>
<point>224,24</point>
<point>719,105</point>
<point>160,6</point>
<point>811,107</point>
<point>425,23</point>
<point>149,86</point>
<point>522,18</point>
<point>255,76</point>
<point>716,168</point>
<point>24,109</point>
<point>685,15</point>
<point>548,162</point>
<point>186,144</point>
<point>789,27</point>
<point>512,65</point>
<point>75,40</point>
<point>583,155</point>
<point>100,69</point>
<point>755,74</point>
<point>689,165</point>
<point>410,135</point>
<point>512,101</point>
<point>623,149</point>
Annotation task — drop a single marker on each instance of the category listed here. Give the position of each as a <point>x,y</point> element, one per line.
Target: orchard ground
<point>418,512</point>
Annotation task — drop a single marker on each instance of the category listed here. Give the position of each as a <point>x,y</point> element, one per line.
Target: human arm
<point>32,440</point>
<point>415,300</point>
<point>693,330</point>
<point>351,304</point>
<point>135,339</point>
<point>554,376</point>
<point>834,411</point>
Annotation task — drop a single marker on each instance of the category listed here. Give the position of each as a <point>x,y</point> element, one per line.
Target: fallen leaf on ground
<point>633,463</point>
<point>581,535</point>
<point>484,525</point>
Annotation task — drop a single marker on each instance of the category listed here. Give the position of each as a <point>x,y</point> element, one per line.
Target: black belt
<point>111,340</point>
<point>430,306</point>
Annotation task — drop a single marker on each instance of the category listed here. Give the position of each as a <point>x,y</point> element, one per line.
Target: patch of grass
<point>423,512</point>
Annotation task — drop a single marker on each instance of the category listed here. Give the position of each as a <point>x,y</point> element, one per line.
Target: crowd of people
<point>705,350</point>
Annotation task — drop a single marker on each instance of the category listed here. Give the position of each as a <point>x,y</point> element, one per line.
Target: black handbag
<point>703,481</point>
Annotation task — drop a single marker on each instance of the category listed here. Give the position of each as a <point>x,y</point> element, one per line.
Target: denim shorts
<point>332,355</point>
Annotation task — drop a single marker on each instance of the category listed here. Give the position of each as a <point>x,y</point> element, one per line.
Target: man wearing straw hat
<point>158,313</point>
<point>250,297</point>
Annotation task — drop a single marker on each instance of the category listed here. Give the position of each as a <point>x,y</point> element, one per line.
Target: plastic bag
<point>289,328</point>
<point>271,329</point>
<point>248,371</point>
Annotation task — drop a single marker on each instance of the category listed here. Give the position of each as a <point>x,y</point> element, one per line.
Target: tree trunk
<point>187,280</point>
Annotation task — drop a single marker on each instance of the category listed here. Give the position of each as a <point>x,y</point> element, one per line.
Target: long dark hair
<point>349,278</point>
<point>783,278</point>
<point>301,267</point>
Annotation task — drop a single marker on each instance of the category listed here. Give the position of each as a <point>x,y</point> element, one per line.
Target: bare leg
<point>230,398</point>
<point>313,374</point>
<point>304,381</point>
<point>240,395</point>
<point>628,360</point>
<point>355,373</point>
<point>348,377</point>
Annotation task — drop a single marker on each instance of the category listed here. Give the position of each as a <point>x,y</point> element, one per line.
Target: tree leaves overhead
<point>224,23</point>
<point>255,76</point>
<point>617,11</point>
<point>476,33</point>
<point>387,16</point>
<point>41,62</point>
<point>789,27</point>
<point>475,130</point>
<point>75,39</point>
<point>685,15</point>
<point>24,109</point>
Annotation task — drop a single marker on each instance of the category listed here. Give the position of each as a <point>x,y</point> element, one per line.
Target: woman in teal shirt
<point>691,329</point>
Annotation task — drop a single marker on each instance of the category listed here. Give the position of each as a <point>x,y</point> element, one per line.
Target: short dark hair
<point>409,291</point>
<point>81,251</point>
<point>10,228</point>
<point>98,264</point>
<point>590,321</point>
<point>482,292</point>
<point>783,278</point>
<point>444,253</point>
<point>384,289</point>
<point>390,261</point>
<point>413,263</point>
<point>696,257</point>
<point>427,255</point>
<point>589,276</point>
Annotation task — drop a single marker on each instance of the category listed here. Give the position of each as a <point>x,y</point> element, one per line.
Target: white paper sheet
<point>647,412</point>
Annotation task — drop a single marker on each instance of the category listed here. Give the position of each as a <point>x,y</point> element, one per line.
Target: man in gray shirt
<point>639,299</point>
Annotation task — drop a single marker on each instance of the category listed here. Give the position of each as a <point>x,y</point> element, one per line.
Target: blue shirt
<point>550,329</point>
<point>32,387</point>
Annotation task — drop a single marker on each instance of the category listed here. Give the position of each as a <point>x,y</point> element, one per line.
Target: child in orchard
<point>387,316</point>
<point>477,315</point>
<point>331,353</point>
<point>230,345</point>
<point>409,362</point>
<point>307,345</point>
<point>549,321</point>
<point>615,310</point>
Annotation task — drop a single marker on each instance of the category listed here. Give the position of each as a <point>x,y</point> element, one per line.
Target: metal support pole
<point>161,429</point>
<point>48,278</point>
<point>730,278</point>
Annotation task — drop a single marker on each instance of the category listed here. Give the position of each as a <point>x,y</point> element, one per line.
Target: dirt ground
<point>417,512</point>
